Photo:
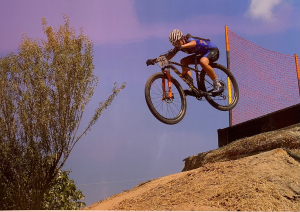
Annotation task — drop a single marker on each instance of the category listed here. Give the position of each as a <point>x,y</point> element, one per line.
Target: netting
<point>267,80</point>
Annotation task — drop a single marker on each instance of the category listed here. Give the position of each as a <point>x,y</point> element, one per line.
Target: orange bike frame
<point>170,94</point>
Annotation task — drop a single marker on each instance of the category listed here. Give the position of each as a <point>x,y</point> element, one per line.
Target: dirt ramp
<point>265,181</point>
<point>287,139</point>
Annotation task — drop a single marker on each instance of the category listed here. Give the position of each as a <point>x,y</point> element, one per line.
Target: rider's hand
<point>180,48</point>
<point>150,62</point>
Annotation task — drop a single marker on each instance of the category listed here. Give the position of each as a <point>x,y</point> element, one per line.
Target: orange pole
<point>298,72</point>
<point>227,40</point>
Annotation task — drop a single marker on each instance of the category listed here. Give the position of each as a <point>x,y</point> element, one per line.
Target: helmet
<point>175,36</point>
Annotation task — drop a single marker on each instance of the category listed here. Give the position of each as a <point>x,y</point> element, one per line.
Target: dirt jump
<point>258,173</point>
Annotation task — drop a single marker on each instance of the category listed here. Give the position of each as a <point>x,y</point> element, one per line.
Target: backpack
<point>189,35</point>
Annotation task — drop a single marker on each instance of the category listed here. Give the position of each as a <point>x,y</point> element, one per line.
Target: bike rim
<point>167,108</point>
<point>228,97</point>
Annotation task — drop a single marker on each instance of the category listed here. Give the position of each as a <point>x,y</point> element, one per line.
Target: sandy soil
<point>266,181</point>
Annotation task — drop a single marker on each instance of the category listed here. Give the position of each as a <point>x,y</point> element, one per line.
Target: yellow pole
<point>229,91</point>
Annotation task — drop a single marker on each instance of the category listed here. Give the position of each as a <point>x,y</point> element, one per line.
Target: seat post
<point>196,67</point>
<point>197,74</point>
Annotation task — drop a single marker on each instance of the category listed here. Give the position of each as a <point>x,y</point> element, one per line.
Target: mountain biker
<point>194,46</point>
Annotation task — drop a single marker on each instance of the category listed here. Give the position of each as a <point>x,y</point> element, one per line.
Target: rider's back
<point>202,46</point>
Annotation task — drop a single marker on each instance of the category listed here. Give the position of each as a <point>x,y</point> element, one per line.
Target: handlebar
<point>162,61</point>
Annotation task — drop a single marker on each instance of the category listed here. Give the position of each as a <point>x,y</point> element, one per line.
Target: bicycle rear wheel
<point>229,98</point>
<point>167,110</point>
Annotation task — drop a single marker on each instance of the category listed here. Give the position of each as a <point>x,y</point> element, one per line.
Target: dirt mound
<point>288,140</point>
<point>265,181</point>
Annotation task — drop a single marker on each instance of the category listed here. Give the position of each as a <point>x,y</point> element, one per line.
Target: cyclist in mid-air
<point>194,46</point>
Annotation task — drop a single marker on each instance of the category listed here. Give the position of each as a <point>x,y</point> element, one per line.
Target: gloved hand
<point>180,48</point>
<point>150,62</point>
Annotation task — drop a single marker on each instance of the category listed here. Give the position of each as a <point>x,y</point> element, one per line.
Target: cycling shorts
<point>212,55</point>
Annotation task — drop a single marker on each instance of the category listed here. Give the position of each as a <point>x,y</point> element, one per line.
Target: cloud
<point>265,18</point>
<point>262,9</point>
<point>103,21</point>
<point>115,22</point>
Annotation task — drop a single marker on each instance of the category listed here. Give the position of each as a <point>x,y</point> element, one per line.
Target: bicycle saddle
<point>198,55</point>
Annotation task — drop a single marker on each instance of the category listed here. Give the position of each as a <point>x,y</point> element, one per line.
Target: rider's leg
<point>211,56</point>
<point>218,88</point>
<point>204,62</point>
<point>186,71</point>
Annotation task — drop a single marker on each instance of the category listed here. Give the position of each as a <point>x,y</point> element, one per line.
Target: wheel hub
<point>168,99</point>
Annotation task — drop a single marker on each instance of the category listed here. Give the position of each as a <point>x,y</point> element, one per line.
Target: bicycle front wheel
<point>229,98</point>
<point>167,110</point>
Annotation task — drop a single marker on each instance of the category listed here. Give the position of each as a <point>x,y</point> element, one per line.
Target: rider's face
<point>179,42</point>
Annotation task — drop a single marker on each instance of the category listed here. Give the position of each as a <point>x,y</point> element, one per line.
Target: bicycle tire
<point>168,113</point>
<point>219,101</point>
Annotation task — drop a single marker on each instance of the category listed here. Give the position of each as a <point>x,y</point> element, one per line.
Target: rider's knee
<point>204,61</point>
<point>184,61</point>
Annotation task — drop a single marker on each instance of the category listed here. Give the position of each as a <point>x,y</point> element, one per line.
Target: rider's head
<point>175,36</point>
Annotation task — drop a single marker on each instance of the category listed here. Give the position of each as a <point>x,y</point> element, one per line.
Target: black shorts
<point>212,55</point>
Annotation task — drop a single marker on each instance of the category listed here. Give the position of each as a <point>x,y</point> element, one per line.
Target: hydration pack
<point>189,35</point>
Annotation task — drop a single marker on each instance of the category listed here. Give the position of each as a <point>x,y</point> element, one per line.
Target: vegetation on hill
<point>44,90</point>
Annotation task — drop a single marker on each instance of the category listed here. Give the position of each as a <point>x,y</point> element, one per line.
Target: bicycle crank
<point>199,98</point>
<point>223,96</point>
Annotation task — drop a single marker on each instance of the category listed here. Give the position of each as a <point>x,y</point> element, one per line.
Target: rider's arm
<point>189,45</point>
<point>172,53</point>
<point>169,57</point>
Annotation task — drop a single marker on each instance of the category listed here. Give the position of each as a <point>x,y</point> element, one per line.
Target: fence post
<point>228,67</point>
<point>297,69</point>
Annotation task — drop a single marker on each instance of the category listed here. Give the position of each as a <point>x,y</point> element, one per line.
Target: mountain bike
<point>166,98</point>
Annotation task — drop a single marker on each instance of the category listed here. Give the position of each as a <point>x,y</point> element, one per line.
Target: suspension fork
<point>170,93</point>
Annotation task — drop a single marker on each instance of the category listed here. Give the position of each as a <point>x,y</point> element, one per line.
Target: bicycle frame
<point>168,104</point>
<point>198,92</point>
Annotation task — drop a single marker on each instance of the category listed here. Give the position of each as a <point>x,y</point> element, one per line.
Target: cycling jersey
<point>202,47</point>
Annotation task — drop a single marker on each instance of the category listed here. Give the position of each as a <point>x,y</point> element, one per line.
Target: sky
<point>128,145</point>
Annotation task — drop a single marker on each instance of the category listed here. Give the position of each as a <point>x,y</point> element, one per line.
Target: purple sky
<point>128,143</point>
<point>116,21</point>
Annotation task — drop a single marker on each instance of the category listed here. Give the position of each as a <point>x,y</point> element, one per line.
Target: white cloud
<point>262,9</point>
<point>108,22</point>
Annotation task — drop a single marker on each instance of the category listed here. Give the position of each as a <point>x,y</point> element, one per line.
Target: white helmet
<point>175,36</point>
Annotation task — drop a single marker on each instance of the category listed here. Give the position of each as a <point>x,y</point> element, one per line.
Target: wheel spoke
<point>168,108</point>
<point>221,101</point>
